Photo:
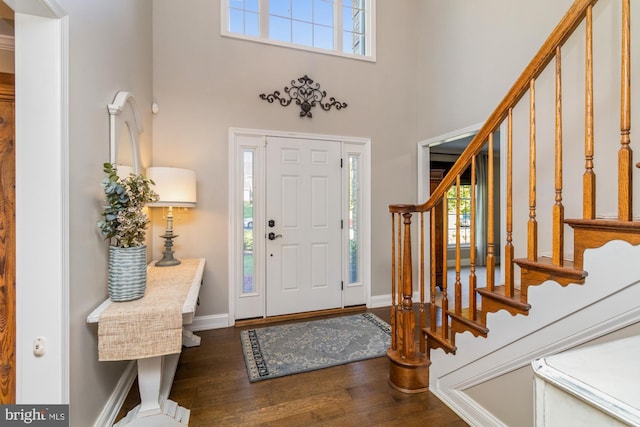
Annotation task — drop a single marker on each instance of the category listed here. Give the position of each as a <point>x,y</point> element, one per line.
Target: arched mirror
<point>125,128</point>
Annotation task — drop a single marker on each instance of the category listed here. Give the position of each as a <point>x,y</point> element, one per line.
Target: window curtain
<point>481,208</point>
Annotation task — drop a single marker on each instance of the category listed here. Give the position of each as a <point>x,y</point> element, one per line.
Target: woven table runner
<point>152,325</point>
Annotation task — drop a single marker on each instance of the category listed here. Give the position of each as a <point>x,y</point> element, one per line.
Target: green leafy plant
<point>124,220</point>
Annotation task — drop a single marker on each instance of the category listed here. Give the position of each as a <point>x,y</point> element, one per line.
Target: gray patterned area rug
<point>276,351</point>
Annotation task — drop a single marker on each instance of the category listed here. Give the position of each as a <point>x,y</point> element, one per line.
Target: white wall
<point>205,83</point>
<point>109,50</point>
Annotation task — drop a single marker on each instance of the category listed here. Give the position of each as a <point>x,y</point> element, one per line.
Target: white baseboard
<point>203,323</point>
<point>112,407</point>
<point>378,301</point>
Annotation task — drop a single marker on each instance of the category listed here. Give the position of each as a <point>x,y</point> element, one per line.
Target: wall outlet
<point>39,346</point>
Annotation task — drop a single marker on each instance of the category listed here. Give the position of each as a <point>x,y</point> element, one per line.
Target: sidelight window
<point>354,218</point>
<point>248,190</point>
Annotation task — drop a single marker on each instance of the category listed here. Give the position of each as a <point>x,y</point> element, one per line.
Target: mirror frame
<point>124,111</point>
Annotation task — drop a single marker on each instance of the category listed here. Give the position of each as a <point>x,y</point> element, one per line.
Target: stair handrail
<point>570,21</point>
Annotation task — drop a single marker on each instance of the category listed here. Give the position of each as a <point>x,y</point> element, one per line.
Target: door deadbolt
<point>271,223</point>
<point>273,236</point>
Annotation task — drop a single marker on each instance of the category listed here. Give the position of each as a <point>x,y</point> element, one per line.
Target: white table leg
<point>189,339</point>
<point>149,378</point>
<point>155,377</point>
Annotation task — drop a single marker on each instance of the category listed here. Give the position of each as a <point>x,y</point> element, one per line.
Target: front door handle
<point>273,236</point>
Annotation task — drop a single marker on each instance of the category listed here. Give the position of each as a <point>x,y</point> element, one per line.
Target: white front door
<point>303,225</point>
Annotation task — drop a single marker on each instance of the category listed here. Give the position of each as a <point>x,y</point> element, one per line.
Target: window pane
<point>279,29</point>
<point>236,21</point>
<point>252,24</point>
<point>302,10</point>
<point>347,19</point>
<point>323,12</point>
<point>353,43</point>
<point>288,22</point>
<point>280,8</point>
<point>323,37</point>
<point>354,219</point>
<point>358,22</point>
<point>465,215</point>
<point>354,3</point>
<point>248,258</point>
<point>251,5</point>
<point>302,33</point>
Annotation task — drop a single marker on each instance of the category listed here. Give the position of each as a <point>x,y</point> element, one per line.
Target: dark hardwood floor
<point>211,380</point>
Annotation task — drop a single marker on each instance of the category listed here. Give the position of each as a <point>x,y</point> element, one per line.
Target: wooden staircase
<point>412,339</point>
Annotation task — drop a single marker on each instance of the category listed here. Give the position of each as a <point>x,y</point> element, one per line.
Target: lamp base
<point>167,255</point>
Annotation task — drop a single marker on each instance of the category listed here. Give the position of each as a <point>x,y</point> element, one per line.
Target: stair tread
<point>604,223</point>
<point>465,318</point>
<point>499,294</point>
<point>546,264</point>
<point>440,341</point>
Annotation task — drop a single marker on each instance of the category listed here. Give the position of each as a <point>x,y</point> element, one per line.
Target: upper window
<point>342,27</point>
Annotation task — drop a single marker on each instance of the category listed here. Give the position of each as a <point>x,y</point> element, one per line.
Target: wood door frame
<point>235,213</point>
<point>424,173</point>
<point>8,336</point>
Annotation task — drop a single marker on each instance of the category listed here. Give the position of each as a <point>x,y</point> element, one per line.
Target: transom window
<point>342,27</point>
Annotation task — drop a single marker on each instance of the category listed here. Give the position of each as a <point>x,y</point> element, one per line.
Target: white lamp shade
<point>176,187</point>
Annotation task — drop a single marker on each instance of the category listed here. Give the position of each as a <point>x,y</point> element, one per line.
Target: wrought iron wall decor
<point>306,94</point>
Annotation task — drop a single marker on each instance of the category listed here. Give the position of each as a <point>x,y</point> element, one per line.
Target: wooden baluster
<point>399,319</point>
<point>491,260</point>
<point>589,177</point>
<point>408,317</point>
<point>625,155</point>
<point>557,251</point>
<point>445,299</point>
<point>393,283</point>
<point>432,305</point>
<point>473,303</point>
<point>508,248</point>
<point>423,316</point>
<point>458,285</point>
<point>532,225</point>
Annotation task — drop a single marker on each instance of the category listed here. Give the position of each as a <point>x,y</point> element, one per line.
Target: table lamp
<point>176,188</point>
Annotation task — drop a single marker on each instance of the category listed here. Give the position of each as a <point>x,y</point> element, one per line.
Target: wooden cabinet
<point>437,216</point>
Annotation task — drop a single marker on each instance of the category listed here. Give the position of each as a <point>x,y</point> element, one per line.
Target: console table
<point>155,374</point>
<point>588,386</point>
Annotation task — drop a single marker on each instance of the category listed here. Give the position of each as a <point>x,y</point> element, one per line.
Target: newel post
<point>408,370</point>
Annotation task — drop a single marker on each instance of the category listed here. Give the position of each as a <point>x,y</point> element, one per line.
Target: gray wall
<point>205,83</point>
<point>109,50</point>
